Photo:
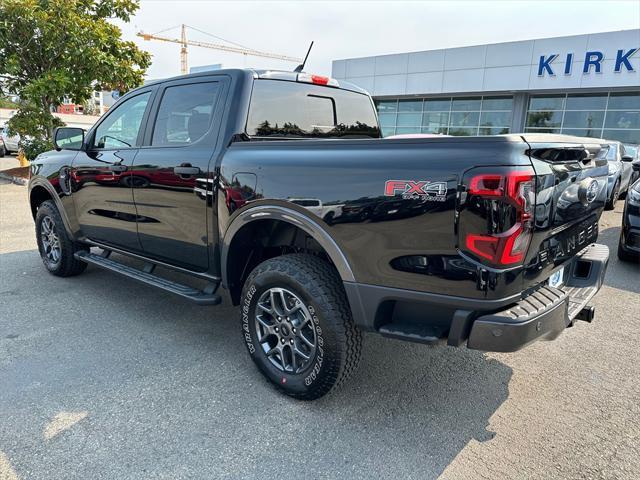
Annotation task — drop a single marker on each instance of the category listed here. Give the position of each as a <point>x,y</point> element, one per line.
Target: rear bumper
<point>545,313</point>
<point>503,325</point>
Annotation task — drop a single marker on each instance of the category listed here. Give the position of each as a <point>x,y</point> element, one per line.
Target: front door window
<point>121,128</point>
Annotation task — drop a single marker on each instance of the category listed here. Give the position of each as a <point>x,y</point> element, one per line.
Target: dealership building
<point>587,85</point>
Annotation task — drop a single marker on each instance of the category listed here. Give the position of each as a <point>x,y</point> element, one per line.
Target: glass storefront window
<point>552,102</point>
<point>439,130</point>
<point>387,106</point>
<point>409,119</point>
<point>586,102</point>
<point>387,119</point>
<point>410,106</point>
<point>582,119</point>
<point>463,132</point>
<point>437,105</point>
<point>465,104</point>
<point>497,119</point>
<point>613,116</point>
<point>406,130</point>
<point>464,119</point>
<point>497,103</point>
<point>623,119</point>
<point>493,130</point>
<point>544,119</point>
<point>435,119</point>
<point>489,115</point>
<point>622,101</point>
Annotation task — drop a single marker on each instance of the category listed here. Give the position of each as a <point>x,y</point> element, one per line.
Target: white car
<point>326,212</point>
<point>10,143</point>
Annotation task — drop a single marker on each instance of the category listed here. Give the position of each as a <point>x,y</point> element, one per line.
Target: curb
<point>12,179</point>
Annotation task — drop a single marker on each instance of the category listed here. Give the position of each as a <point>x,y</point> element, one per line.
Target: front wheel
<point>297,325</point>
<point>56,247</point>
<point>624,255</point>
<point>615,194</point>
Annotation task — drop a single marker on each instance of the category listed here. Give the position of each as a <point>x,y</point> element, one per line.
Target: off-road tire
<point>615,195</point>
<point>67,265</point>
<point>339,341</point>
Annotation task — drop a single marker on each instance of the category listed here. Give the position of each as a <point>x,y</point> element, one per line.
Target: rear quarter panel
<point>372,229</point>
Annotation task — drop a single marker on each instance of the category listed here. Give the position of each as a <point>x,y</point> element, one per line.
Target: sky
<point>348,29</point>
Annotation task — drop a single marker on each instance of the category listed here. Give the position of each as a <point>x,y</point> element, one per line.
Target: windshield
<point>612,154</point>
<point>300,110</point>
<point>632,150</point>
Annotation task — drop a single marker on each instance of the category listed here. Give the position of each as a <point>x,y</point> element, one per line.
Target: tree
<point>50,49</point>
<point>6,102</point>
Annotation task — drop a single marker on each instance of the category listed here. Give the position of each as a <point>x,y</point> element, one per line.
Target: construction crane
<point>184,64</point>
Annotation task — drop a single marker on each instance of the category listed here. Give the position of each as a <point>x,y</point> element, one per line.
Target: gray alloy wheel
<point>285,330</point>
<point>615,194</point>
<point>297,325</point>
<point>50,241</point>
<point>55,245</point>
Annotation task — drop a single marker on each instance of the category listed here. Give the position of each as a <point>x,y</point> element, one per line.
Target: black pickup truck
<point>277,186</point>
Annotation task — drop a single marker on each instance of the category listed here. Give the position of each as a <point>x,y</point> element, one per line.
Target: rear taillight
<point>317,79</point>
<point>516,189</point>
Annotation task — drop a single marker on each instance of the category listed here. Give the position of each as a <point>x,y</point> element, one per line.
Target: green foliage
<point>32,147</point>
<point>50,49</point>
<point>7,103</point>
<point>31,120</point>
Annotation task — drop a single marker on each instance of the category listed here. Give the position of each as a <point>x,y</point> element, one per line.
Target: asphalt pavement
<point>104,378</point>
<point>9,161</point>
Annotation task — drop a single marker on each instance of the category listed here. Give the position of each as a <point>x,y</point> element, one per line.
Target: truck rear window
<point>299,110</point>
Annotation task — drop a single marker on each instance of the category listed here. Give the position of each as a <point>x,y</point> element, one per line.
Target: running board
<point>201,297</point>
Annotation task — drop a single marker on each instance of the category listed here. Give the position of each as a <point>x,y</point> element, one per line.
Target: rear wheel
<point>615,194</point>
<point>56,247</point>
<point>297,325</point>
<point>3,151</point>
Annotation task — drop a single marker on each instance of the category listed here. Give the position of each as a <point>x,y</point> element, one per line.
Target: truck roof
<point>257,73</point>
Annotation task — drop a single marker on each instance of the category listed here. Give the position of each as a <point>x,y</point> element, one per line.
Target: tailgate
<point>571,189</point>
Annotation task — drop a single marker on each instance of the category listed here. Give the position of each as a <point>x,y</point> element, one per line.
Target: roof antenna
<point>301,66</point>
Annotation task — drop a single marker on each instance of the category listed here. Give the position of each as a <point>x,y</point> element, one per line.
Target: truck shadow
<point>410,402</point>
<point>152,369</point>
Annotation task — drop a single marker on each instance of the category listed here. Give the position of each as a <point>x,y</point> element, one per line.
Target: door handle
<point>186,170</point>
<point>118,168</point>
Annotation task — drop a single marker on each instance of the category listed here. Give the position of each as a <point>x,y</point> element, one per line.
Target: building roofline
<point>490,44</point>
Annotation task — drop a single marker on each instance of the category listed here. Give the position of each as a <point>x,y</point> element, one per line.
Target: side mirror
<point>68,138</point>
<point>636,166</point>
<point>627,158</point>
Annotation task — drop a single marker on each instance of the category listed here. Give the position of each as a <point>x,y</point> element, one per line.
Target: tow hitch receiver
<point>587,314</point>
<point>547,311</point>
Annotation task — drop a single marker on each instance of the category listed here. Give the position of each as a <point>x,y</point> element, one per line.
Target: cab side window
<point>120,129</point>
<point>185,114</point>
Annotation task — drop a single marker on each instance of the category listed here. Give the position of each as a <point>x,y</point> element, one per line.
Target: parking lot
<point>104,378</point>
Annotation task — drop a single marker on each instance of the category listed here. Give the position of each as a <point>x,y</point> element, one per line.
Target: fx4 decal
<point>416,189</point>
